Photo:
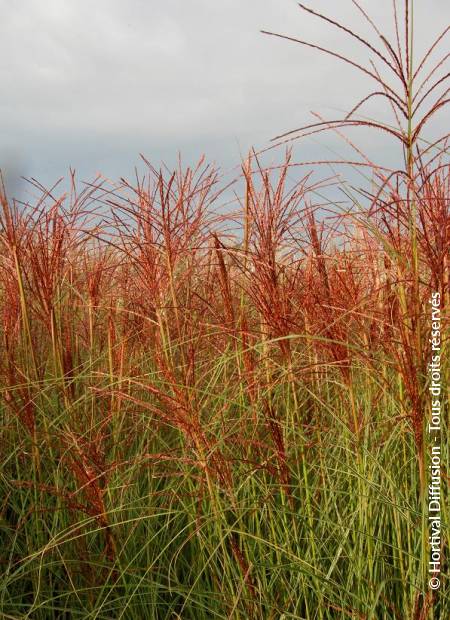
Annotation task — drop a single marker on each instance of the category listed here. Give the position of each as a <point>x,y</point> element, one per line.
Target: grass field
<point>223,414</point>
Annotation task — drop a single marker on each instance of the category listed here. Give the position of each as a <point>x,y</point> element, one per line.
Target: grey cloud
<point>95,83</point>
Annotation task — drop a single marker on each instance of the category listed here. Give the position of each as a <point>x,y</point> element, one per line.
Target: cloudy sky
<point>93,84</point>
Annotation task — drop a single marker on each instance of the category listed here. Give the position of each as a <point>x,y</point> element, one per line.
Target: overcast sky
<point>91,84</point>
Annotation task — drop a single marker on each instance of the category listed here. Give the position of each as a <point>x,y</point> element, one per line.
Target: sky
<point>91,85</point>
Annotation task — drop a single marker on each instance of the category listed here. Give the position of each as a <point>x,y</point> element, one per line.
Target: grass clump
<point>224,416</point>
